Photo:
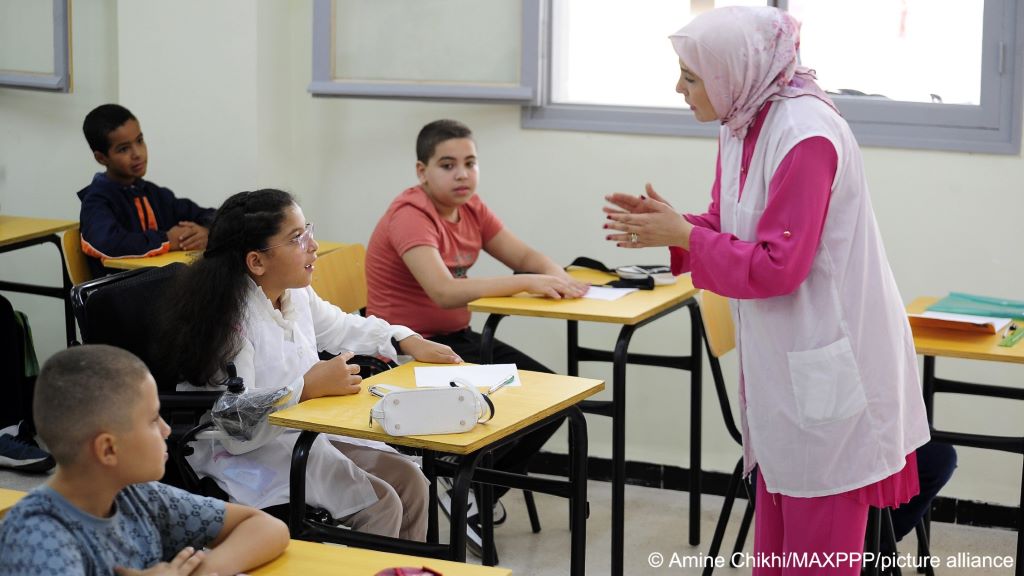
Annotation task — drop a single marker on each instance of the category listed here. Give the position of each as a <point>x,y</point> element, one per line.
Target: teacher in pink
<point>831,401</point>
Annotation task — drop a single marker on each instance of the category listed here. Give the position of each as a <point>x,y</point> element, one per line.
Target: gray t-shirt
<point>152,522</point>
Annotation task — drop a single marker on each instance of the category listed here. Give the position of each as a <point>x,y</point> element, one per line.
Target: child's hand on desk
<point>194,236</point>
<point>580,288</point>
<point>334,377</point>
<point>184,564</point>
<point>174,236</point>
<point>427,351</point>
<point>554,287</point>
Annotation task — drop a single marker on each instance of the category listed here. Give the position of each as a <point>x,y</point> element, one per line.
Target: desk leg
<point>431,474</point>
<point>696,382</point>
<point>487,338</point>
<point>297,483</point>
<point>620,358</point>
<point>69,315</point>
<point>928,388</point>
<point>1020,526</point>
<point>485,503</point>
<point>578,499</point>
<point>573,339</point>
<point>460,496</point>
<point>63,292</point>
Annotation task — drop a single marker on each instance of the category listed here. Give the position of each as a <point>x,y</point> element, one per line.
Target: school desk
<point>631,312</point>
<point>18,232</point>
<point>542,398</point>
<point>8,498</point>
<point>314,559</point>
<point>933,343</point>
<point>187,257</point>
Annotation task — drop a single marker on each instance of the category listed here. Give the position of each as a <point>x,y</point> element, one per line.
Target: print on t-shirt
<point>463,260</point>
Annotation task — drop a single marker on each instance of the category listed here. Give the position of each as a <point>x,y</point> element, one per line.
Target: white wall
<point>44,159</point>
<point>223,104</point>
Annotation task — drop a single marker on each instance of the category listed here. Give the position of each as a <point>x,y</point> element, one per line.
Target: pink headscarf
<point>746,56</point>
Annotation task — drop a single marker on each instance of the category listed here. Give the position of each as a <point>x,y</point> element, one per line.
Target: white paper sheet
<point>607,293</point>
<point>483,376</point>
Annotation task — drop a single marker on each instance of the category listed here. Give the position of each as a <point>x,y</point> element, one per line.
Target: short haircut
<point>437,132</point>
<point>101,122</point>
<point>83,391</point>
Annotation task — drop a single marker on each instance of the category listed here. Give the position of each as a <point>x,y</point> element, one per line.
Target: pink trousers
<point>807,536</point>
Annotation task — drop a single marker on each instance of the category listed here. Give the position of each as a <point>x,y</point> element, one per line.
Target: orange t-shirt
<point>411,221</point>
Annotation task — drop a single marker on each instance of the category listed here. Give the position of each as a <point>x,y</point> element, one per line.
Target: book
<point>966,322</point>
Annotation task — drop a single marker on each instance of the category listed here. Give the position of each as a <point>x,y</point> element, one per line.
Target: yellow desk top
<point>958,343</point>
<point>515,408</point>
<point>314,559</point>
<point>187,257</point>
<point>8,498</point>
<point>14,229</point>
<point>630,309</point>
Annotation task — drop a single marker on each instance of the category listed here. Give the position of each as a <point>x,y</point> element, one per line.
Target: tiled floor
<point>656,522</point>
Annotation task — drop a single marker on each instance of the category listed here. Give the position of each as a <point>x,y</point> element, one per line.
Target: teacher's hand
<point>627,203</point>
<point>645,221</point>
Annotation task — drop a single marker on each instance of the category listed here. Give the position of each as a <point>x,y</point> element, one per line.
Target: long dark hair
<point>201,328</point>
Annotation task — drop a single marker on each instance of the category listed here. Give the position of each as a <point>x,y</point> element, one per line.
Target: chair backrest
<point>76,260</point>
<point>718,328</point>
<point>719,339</point>
<point>340,277</point>
<point>123,310</point>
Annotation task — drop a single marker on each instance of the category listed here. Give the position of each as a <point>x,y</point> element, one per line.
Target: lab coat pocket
<point>826,384</point>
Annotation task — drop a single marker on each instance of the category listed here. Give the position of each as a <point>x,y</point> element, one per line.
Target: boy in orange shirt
<point>419,256</point>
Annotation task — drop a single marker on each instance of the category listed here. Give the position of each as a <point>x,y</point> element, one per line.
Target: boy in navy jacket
<point>122,214</point>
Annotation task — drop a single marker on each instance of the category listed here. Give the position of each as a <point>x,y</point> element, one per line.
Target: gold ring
<point>633,237</point>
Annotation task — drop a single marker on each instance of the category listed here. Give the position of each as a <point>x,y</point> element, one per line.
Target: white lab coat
<point>830,395</point>
<point>278,348</point>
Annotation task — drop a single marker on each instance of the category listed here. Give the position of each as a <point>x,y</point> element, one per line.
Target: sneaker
<point>444,483</point>
<point>475,538</point>
<point>20,455</point>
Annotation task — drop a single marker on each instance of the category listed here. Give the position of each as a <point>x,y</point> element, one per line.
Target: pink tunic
<point>788,233</point>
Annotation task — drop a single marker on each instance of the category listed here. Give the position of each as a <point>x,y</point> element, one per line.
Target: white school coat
<point>278,348</point>
<point>831,399</point>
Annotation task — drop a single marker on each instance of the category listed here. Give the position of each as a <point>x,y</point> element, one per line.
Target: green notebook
<point>961,303</point>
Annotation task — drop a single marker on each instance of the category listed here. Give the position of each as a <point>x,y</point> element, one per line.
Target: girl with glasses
<point>248,300</point>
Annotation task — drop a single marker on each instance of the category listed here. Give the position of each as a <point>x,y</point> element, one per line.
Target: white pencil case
<point>425,411</point>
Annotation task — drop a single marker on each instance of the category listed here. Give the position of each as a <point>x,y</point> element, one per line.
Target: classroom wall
<point>222,100</point>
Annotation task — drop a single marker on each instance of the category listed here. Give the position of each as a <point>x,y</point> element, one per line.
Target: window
<point>432,49</point>
<point>938,74</point>
<point>34,45</point>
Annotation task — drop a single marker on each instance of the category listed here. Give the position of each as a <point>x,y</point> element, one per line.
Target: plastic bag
<point>240,413</point>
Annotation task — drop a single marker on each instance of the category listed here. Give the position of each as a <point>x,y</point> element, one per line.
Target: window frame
<point>60,79</point>
<point>994,126</point>
<point>526,92</point>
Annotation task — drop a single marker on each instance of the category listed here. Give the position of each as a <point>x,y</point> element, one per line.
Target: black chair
<point>122,310</point>
<point>719,339</point>
<point>880,526</point>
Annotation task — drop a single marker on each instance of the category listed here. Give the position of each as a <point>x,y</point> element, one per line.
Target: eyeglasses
<point>302,240</point>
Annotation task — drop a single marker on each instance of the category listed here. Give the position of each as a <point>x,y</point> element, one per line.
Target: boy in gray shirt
<point>96,408</point>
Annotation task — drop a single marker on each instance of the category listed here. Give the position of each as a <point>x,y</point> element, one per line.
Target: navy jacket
<point>131,220</point>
